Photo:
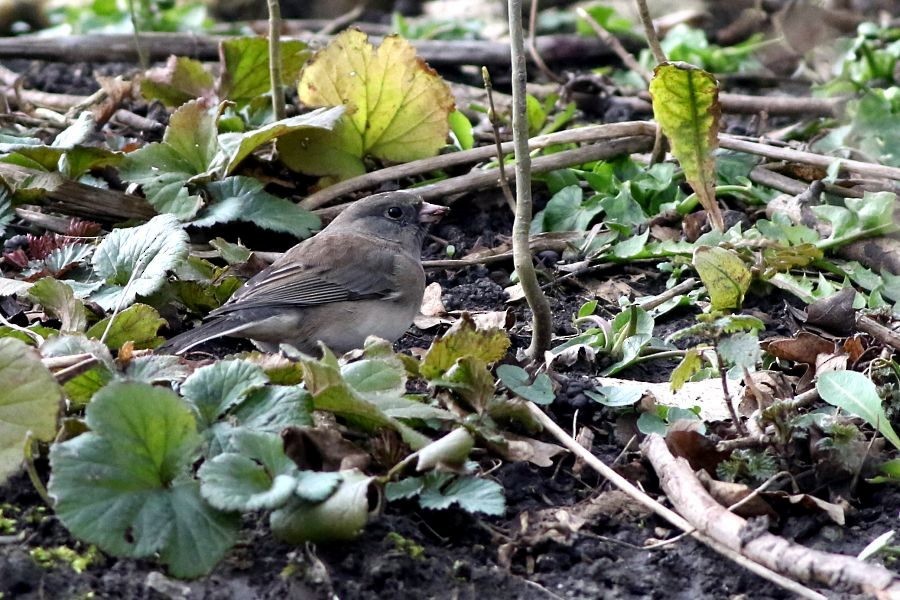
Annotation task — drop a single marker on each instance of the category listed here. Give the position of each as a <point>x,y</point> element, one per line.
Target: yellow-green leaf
<point>464,340</point>
<point>29,402</point>
<point>138,323</point>
<point>724,274</point>
<point>397,106</point>
<point>686,106</point>
<point>689,365</point>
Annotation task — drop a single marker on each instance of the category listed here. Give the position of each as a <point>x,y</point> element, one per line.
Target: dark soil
<point>410,553</point>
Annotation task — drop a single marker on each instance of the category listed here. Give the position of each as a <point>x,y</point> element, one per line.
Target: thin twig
<point>650,32</point>
<point>69,373</point>
<point>343,20</point>
<point>275,59</point>
<point>532,47</point>
<point>676,290</point>
<point>615,45</point>
<point>138,47</point>
<point>542,319</point>
<point>723,378</point>
<point>492,117</point>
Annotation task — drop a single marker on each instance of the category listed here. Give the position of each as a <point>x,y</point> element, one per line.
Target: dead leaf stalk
<point>275,59</point>
<point>495,125</point>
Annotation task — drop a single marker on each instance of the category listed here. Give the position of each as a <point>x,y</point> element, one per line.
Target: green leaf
<point>855,393</point>
<point>470,378</point>
<point>155,368</point>
<point>405,488</point>
<point>686,105</point>
<point>566,210</point>
<point>181,80</point>
<point>607,17</point>
<point>134,261</point>
<point>235,147</point>
<point>535,114</point>
<point>123,485</point>
<point>724,274</point>
<point>316,486</point>
<point>137,323</point>
<point>244,199</point>
<point>398,107</point>
<point>29,402</point>
<point>470,493</point>
<point>616,396</point>
<point>376,377</point>
<point>741,350</point>
<point>687,368</point>
<point>463,340</point>
<point>331,393</point>
<point>649,423</point>
<point>340,517</point>
<point>214,389</point>
<point>245,73</point>
<point>462,130</point>
<point>257,476</point>
<point>59,301</point>
<point>163,168</point>
<point>274,407</point>
<point>517,380</point>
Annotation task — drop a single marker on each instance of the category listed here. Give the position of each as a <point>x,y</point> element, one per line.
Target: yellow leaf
<point>686,106</point>
<point>464,340</point>
<point>397,107</point>
<point>724,274</point>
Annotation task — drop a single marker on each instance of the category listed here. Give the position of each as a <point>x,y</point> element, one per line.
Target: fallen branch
<point>669,515</point>
<point>809,158</point>
<point>73,198</point>
<point>104,48</point>
<point>691,499</point>
<point>593,133</point>
<point>477,180</point>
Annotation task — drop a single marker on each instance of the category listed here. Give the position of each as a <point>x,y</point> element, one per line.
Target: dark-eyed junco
<point>360,276</point>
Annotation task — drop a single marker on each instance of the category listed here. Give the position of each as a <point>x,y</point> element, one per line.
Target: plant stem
<point>275,59</point>
<point>32,471</point>
<point>723,377</point>
<point>142,55</point>
<point>541,322</point>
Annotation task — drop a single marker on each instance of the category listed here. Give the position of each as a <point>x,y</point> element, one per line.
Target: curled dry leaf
<point>771,385</point>
<point>834,313</point>
<point>805,347</point>
<point>728,494</point>
<point>519,448</point>
<point>697,449</point>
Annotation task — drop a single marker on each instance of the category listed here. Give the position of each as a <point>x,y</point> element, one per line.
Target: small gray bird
<point>362,275</point>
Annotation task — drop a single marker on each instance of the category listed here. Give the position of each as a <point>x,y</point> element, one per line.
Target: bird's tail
<point>211,330</point>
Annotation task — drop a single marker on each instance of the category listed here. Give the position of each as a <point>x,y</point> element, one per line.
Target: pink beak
<point>432,213</point>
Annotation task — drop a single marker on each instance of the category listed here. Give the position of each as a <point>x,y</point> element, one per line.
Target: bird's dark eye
<point>395,212</point>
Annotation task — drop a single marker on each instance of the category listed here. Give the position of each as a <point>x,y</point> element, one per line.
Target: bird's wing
<point>340,268</point>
